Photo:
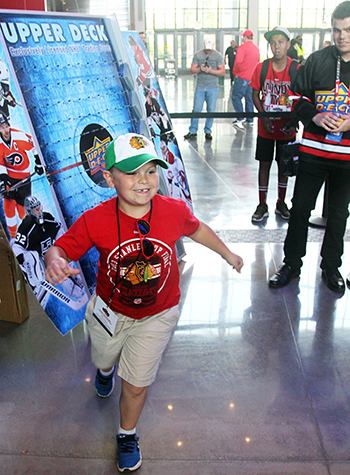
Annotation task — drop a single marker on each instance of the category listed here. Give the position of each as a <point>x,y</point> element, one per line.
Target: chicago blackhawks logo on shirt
<point>137,142</point>
<point>276,96</point>
<point>142,279</point>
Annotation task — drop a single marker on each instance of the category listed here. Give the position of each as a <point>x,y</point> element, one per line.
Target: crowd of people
<point>135,305</point>
<point>284,83</point>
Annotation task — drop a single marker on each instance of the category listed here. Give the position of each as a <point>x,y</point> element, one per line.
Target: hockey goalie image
<point>36,234</point>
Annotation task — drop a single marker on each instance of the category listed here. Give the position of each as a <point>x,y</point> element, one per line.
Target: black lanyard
<point>117,281</point>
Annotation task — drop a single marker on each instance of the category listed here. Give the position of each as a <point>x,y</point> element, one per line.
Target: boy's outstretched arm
<point>57,267</point>
<point>206,236</point>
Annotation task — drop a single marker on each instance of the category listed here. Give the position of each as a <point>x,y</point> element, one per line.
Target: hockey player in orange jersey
<point>15,170</point>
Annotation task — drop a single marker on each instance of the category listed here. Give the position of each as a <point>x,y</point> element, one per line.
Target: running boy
<point>137,279</point>
<point>270,93</point>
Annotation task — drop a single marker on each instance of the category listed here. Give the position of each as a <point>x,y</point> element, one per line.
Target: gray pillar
<point>253,10</point>
<point>137,15</point>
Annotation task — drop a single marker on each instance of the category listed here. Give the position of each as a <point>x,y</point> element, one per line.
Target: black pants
<point>308,183</point>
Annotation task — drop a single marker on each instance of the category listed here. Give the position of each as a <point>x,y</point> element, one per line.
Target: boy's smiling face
<point>135,189</point>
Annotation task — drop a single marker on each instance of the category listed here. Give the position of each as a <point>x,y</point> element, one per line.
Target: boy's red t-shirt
<point>152,285</point>
<point>274,98</point>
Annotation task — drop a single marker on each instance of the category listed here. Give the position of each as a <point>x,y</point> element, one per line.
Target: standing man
<point>230,53</point>
<point>292,52</point>
<point>324,152</point>
<point>247,57</point>
<point>299,47</point>
<point>208,64</point>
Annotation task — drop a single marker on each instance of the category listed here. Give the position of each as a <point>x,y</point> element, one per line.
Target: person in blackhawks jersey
<point>270,94</point>
<point>145,70</point>
<point>137,280</point>
<point>15,168</point>
<point>324,154</point>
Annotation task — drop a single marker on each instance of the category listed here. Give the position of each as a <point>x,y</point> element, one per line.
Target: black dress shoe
<point>208,137</point>
<point>333,279</point>
<point>348,281</point>
<point>283,276</point>
<point>190,136</point>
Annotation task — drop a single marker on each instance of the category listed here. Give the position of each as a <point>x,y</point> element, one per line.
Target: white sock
<point>126,432</point>
<point>107,373</point>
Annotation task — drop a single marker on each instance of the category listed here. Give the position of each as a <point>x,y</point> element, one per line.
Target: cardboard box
<point>13,293</point>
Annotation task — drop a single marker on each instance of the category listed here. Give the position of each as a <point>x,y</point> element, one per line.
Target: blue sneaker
<point>129,453</point>
<point>104,385</point>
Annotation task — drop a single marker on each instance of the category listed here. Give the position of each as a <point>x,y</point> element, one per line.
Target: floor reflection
<point>254,381</point>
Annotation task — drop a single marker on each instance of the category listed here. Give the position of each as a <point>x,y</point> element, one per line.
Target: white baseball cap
<point>278,30</point>
<point>208,43</point>
<point>130,152</point>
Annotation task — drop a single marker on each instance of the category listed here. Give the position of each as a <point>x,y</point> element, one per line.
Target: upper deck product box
<point>13,293</point>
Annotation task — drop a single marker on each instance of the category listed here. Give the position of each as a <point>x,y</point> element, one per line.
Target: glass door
<point>164,52</point>
<point>185,52</point>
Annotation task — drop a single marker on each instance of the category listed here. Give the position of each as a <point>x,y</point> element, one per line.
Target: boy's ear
<point>108,177</point>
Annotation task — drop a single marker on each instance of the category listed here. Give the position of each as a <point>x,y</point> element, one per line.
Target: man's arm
<point>217,72</point>
<point>226,54</point>
<point>195,69</point>
<point>257,100</point>
<point>206,236</point>
<point>239,60</point>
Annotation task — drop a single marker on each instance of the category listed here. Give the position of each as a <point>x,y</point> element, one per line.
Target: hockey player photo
<point>156,116</point>
<point>177,184</point>
<point>6,96</point>
<point>15,172</point>
<point>145,70</point>
<point>36,234</point>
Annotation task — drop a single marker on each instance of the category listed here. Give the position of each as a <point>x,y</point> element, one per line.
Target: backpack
<point>293,68</point>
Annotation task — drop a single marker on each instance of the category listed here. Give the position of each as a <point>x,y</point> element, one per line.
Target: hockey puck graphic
<point>93,143</point>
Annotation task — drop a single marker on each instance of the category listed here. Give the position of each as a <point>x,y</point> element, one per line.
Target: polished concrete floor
<point>254,381</point>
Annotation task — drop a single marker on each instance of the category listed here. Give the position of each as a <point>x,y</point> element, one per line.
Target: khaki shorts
<point>136,346</point>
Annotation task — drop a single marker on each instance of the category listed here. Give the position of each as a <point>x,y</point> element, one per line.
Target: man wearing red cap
<point>247,57</point>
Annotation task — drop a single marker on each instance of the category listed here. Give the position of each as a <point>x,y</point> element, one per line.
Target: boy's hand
<point>268,125</point>
<point>288,130</point>
<point>58,271</point>
<point>235,261</point>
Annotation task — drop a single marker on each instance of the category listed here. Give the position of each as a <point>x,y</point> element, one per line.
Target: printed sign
<point>66,91</point>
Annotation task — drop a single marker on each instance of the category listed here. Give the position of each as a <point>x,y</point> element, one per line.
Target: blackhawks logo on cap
<point>137,142</point>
